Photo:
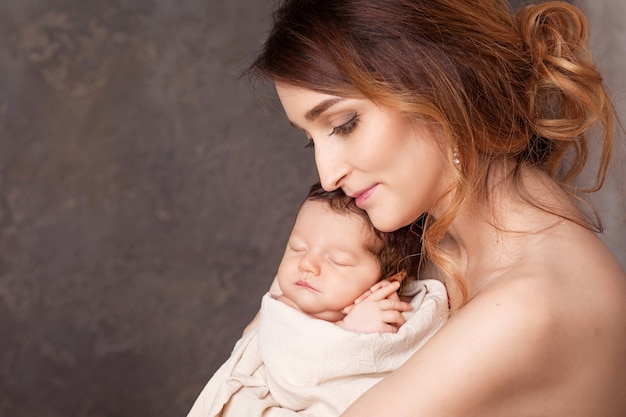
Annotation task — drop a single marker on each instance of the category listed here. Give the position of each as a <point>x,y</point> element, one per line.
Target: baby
<point>326,329</point>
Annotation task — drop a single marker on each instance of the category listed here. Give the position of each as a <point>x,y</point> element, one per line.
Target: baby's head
<point>396,251</point>
<point>334,254</point>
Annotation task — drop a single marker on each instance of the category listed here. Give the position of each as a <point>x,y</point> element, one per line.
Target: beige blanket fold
<point>292,364</point>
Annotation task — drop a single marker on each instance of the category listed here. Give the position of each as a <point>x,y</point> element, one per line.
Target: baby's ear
<point>399,277</point>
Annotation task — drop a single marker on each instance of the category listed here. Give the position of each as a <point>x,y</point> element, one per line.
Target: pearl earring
<point>455,156</point>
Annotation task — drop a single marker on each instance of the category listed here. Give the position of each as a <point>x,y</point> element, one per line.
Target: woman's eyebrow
<point>321,108</point>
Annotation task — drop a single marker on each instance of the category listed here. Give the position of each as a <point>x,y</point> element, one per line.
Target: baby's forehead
<point>319,210</point>
<point>322,207</point>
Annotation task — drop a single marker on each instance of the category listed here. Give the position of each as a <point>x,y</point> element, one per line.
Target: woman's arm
<point>493,358</point>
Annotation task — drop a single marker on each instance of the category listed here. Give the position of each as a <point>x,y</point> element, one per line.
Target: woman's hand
<point>379,310</point>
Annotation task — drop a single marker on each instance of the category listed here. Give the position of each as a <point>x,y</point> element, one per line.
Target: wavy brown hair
<point>501,87</point>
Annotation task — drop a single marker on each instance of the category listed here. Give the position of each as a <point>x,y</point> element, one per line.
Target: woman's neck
<point>503,232</point>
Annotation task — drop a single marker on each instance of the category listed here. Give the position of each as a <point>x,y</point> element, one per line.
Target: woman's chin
<point>387,224</point>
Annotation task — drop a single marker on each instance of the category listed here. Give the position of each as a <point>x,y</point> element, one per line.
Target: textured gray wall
<point>608,43</point>
<point>145,198</point>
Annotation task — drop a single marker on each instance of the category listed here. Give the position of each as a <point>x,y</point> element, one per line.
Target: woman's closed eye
<point>343,129</point>
<point>347,127</point>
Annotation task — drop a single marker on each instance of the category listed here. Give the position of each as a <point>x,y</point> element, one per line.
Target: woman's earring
<point>455,156</point>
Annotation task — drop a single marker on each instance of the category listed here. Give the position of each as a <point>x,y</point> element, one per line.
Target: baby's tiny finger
<point>385,290</point>
<point>362,297</point>
<point>394,318</point>
<point>395,305</point>
<point>389,328</point>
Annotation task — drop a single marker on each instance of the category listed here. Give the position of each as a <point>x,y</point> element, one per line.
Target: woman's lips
<point>362,197</point>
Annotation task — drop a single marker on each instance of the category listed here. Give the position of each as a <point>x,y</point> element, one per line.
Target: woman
<point>479,120</point>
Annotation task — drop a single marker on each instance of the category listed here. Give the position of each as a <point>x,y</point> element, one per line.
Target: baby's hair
<point>399,250</point>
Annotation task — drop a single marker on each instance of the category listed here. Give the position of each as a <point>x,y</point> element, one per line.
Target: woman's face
<point>328,261</point>
<point>392,166</point>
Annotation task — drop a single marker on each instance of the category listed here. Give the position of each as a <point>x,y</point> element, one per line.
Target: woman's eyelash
<point>343,130</point>
<point>346,128</point>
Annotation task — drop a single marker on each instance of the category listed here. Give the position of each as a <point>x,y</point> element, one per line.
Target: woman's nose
<point>331,167</point>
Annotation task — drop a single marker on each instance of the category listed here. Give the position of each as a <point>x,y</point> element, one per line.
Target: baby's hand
<point>380,311</point>
<point>380,284</point>
<point>374,288</point>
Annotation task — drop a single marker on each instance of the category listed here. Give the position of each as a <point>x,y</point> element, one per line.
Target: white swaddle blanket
<point>295,365</point>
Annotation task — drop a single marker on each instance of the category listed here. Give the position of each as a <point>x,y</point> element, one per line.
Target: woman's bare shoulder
<point>518,345</point>
<point>555,303</point>
<point>540,336</point>
<point>511,321</point>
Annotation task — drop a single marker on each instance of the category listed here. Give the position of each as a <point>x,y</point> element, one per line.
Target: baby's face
<point>327,262</point>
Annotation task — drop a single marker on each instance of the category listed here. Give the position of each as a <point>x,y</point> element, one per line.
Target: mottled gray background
<point>146,195</point>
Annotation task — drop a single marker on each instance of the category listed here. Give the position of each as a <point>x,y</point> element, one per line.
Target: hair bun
<point>553,30</point>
